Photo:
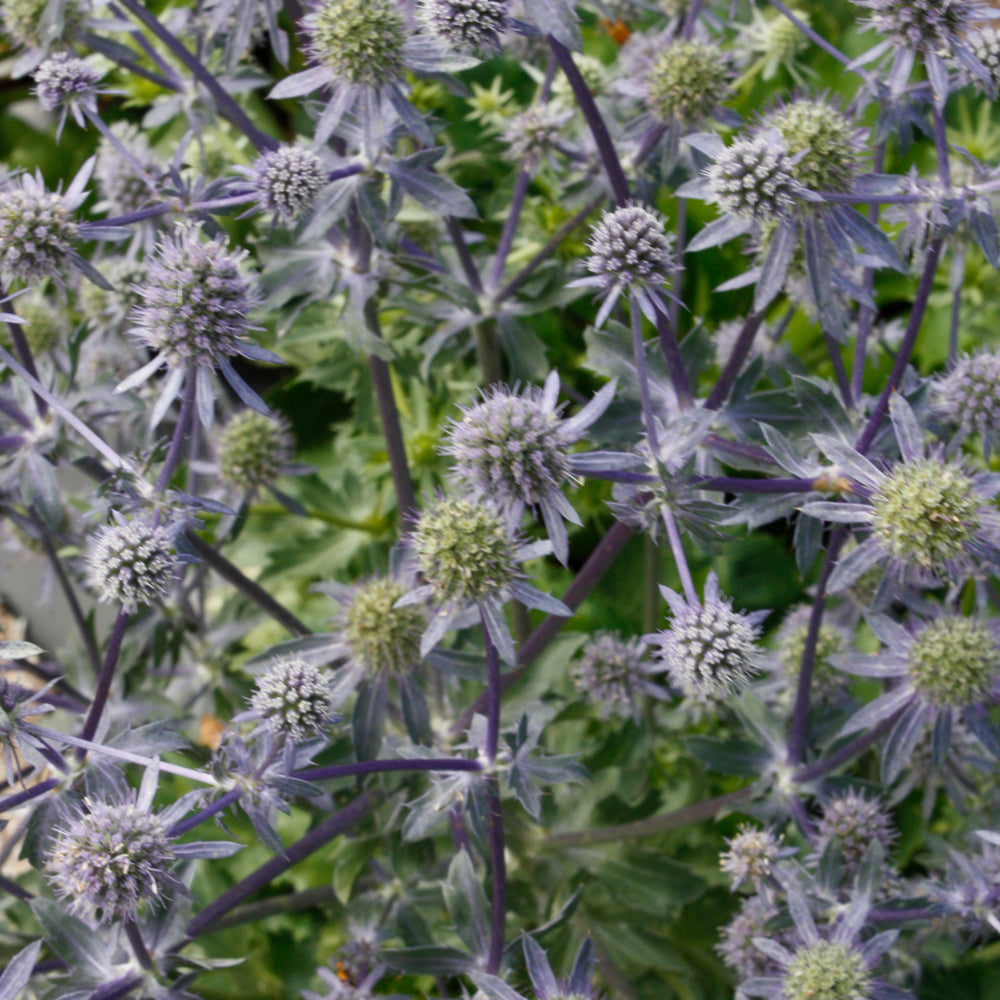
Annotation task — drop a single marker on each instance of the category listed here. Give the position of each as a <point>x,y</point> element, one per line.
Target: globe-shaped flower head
<point>687,82</point>
<point>754,178</point>
<point>853,822</point>
<point>359,41</point>
<point>709,650</point>
<point>629,251</point>
<point>63,78</point>
<point>287,180</point>
<point>293,699</point>
<point>613,673</point>
<point>536,132</point>
<point>968,397</point>
<point>253,450</point>
<point>132,563</point>
<point>467,25</point>
<point>750,856</point>
<point>985,46</point>
<point>514,448</point>
<point>379,636</point>
<point>110,861</point>
<point>123,189</point>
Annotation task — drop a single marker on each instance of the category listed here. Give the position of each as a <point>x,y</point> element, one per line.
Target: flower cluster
<point>132,563</point>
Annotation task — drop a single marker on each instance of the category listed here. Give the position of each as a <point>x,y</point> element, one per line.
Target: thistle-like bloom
<point>631,251</point>
<point>293,699</point>
<point>64,82</point>
<point>536,132</point>
<point>195,313</point>
<point>108,310</point>
<point>790,645</point>
<point>613,672</point>
<point>754,178</point>
<point>122,187</point>
<point>822,141</point>
<point>467,25</point>
<point>287,180</point>
<point>470,564</point>
<point>111,861</point>
<point>687,82</point>
<point>927,517</point>
<point>984,44</point>
<point>253,450</point>
<point>736,945</point>
<point>514,449</point>
<point>945,669</point>
<point>750,856</point>
<point>839,966</point>
<point>709,650</point>
<point>970,890</point>
<point>968,397</point>
<point>776,42</point>
<point>132,563</point>
<point>852,823</point>
<point>579,986</point>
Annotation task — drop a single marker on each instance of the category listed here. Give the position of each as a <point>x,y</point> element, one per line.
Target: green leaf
<point>467,905</point>
<point>14,649</point>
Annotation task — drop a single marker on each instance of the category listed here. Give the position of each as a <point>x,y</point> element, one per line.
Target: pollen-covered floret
<point>196,300</point>
<point>687,82</point>
<point>293,698</point>
<point>954,662</point>
<point>37,233</point>
<point>463,550</point>
<point>253,449</point>
<point>968,397</point>
<point>132,564</point>
<point>825,140</point>
<point>922,25</point>
<point>288,179</point>
<point>360,41</point>
<point>709,650</point>
<point>736,945</point>
<point>467,25</point>
<point>925,513</point>
<point>380,637</point>
<point>110,861</point>
<point>611,672</point>
<point>827,970</point>
<point>750,855</point>
<point>63,77</point>
<point>630,245</point>
<point>853,822</point>
<point>754,178</point>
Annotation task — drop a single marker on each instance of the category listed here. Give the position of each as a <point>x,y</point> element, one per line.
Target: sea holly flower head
<point>630,250</point>
<point>614,673</point>
<point>852,823</point>
<point>687,82</point>
<point>293,699</point>
<point>123,188</point>
<point>536,132</point>
<point>970,889</point>
<point>984,43</point>
<point>360,41</point>
<point>790,645</point>
<point>106,309</point>
<point>132,563</point>
<point>253,450</point>
<point>709,650</point>
<point>287,180</point>
<point>545,985</point>
<point>736,945</point>
<point>467,25</point>
<point>751,855</point>
<point>66,83</point>
<point>968,397</point>
<point>514,448</point>
<point>776,42</point>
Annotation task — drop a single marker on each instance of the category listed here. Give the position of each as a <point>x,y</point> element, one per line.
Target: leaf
<point>431,959</point>
<point>13,649</point>
<point>741,757</point>
<point>368,718</point>
<point>775,266</point>
<point>40,489</point>
<point>467,905</point>
<point>73,940</point>
<point>432,190</point>
<point>556,18</point>
<point>868,236</point>
<point>719,231</point>
<point>15,976</point>
<point>984,232</point>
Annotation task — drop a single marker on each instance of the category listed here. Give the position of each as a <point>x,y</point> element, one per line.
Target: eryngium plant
<point>625,374</point>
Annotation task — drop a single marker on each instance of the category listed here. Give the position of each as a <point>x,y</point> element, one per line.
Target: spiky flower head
<point>926,512</point>
<point>595,77</point>
<point>954,662</point>
<point>46,325</point>
<point>853,822</point>
<point>122,189</point>
<point>536,131</point>
<point>709,650</point>
<point>754,178</point>
<point>613,672</point>
<point>196,300</point>
<point>467,25</point>
<point>381,638</point>
<point>37,232</point>
<point>63,78</point>
<point>630,246</point>
<point>359,41</point>
<point>293,698</point>
<point>687,82</point>
<point>775,41</point>
<point>253,449</point>
<point>827,970</point>
<point>111,861</point>
<point>287,180</point>
<point>984,43</point>
<point>922,25</point>
<point>791,644</point>
<point>736,945</point>
<point>825,139</point>
<point>108,309</point>
<point>968,397</point>
<point>750,855</point>
<point>463,550</point>
<point>132,563</point>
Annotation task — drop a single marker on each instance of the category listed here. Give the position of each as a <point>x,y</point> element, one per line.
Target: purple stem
<point>181,430</point>
<point>381,766</point>
<point>691,18</point>
<point>667,330</point>
<point>392,431</point>
<point>741,351</point>
<point>797,739</point>
<point>813,37</point>
<point>18,799</point>
<point>941,142</point>
<point>196,819</point>
<point>457,235</point>
<point>15,413</point>
<point>23,350</point>
<point>119,988</point>
<point>13,889</point>
<point>588,107</point>
<point>639,354</point>
<point>881,407</point>
<point>228,108</point>
<point>801,817</point>
<point>333,826</point>
<point>839,371</point>
<point>493,691</point>
<point>104,680</point>
<point>498,878</point>
<point>521,184</point>
<point>842,198</point>
<point>846,753</point>
<point>903,914</point>
<point>173,82</point>
<point>958,265</point>
<point>134,936</point>
<point>735,484</point>
<point>738,449</point>
<point>150,50</point>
